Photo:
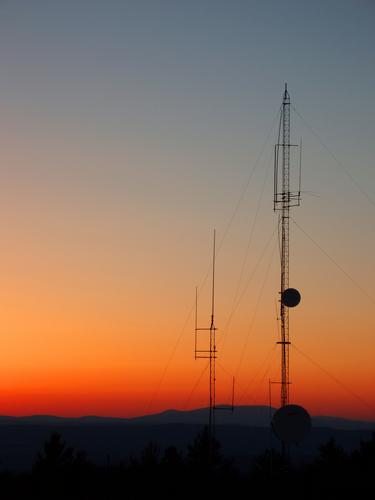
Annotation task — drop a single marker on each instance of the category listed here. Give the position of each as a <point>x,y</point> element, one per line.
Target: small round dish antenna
<point>290,297</point>
<point>291,424</point>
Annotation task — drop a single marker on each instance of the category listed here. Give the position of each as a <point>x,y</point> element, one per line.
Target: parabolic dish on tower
<point>290,297</point>
<point>291,424</point>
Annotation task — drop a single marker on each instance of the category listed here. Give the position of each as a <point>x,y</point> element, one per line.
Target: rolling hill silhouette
<point>255,416</point>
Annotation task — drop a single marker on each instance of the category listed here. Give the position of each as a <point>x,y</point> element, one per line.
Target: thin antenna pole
<point>196,322</point>
<point>269,399</point>
<point>233,394</point>
<point>213,279</point>
<point>212,356</point>
<point>300,166</point>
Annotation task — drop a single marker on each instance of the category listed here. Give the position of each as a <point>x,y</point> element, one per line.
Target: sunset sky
<point>128,131</point>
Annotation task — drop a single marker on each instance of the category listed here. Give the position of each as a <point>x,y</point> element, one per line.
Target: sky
<point>129,130</point>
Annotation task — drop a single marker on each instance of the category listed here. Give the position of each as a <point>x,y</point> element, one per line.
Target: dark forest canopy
<point>61,472</point>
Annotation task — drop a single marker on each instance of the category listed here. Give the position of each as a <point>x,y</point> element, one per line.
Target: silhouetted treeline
<point>60,472</point>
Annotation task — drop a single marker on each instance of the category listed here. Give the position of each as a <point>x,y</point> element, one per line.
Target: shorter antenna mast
<point>196,322</point>
<point>233,394</point>
<point>213,347</point>
<point>300,167</point>
<point>211,352</point>
<point>213,280</point>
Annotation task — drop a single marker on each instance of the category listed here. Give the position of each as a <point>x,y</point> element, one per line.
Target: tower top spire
<point>286,93</point>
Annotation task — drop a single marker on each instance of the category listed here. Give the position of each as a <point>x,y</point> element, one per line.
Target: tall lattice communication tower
<point>291,423</point>
<point>284,199</point>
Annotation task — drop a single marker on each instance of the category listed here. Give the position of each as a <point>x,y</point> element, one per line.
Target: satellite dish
<point>290,297</point>
<point>291,424</point>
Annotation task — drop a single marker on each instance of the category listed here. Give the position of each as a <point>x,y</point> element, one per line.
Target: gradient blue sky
<point>128,130</point>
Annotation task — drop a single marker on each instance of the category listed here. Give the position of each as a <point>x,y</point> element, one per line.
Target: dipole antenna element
<point>283,200</point>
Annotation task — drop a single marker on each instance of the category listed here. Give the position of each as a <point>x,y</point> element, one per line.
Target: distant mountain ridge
<point>242,434</point>
<point>253,416</point>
